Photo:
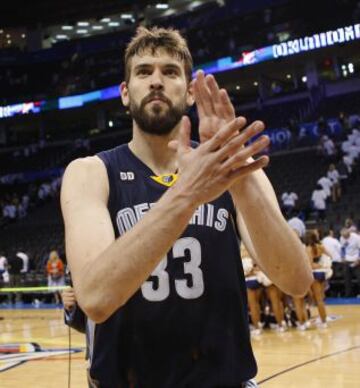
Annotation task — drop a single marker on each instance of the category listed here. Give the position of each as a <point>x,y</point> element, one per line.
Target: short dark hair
<point>157,38</point>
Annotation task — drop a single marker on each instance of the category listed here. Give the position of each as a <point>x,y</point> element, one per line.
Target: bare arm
<point>105,271</point>
<point>267,235</point>
<point>264,231</point>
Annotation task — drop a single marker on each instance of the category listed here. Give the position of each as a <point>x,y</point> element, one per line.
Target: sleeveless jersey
<point>187,326</point>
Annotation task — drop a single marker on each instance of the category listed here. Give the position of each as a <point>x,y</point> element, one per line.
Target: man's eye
<point>171,72</point>
<point>143,72</point>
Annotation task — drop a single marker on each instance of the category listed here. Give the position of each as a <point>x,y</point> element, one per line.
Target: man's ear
<point>124,92</point>
<point>190,94</point>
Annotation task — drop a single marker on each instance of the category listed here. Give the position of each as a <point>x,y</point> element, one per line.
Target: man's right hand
<point>209,170</point>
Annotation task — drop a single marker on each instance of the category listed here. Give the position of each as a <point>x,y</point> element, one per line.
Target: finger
<point>224,134</point>
<point>215,94</point>
<point>228,106</point>
<point>241,158</point>
<point>203,92</point>
<point>258,164</point>
<point>239,140</point>
<point>184,134</point>
<point>197,98</point>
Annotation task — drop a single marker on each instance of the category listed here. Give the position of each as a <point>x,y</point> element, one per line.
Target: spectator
<point>349,163</point>
<point>350,247</point>
<point>4,274</point>
<point>44,192</point>
<point>334,176</point>
<point>332,246</point>
<point>328,148</point>
<point>318,199</point>
<point>349,224</point>
<point>289,201</point>
<point>55,271</point>
<point>25,259</point>
<point>297,224</point>
<point>326,184</point>
<point>9,211</point>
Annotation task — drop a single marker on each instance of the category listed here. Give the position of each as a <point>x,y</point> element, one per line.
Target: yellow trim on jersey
<point>165,179</point>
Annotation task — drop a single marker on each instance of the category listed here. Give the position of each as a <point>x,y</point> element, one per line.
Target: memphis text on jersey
<point>205,215</point>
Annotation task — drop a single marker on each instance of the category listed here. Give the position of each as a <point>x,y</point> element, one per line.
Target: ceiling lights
<point>162,6</point>
<point>126,16</point>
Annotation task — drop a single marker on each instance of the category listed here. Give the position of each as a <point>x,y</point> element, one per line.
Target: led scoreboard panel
<point>341,35</point>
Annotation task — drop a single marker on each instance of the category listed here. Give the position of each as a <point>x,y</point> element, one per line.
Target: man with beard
<point>150,231</point>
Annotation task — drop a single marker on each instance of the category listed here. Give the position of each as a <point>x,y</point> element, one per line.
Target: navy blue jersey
<point>187,326</point>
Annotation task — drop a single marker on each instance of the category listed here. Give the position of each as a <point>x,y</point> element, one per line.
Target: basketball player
<point>150,231</point>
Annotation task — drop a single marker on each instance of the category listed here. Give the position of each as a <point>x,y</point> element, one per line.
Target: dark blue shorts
<point>319,276</point>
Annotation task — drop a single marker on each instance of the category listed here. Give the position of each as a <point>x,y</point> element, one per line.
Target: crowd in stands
<point>212,32</point>
<point>16,205</point>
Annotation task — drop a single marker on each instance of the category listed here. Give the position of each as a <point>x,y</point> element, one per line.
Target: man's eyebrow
<point>142,66</point>
<point>148,65</point>
<point>172,66</point>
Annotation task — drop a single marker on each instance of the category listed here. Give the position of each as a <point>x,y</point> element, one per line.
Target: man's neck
<point>153,150</point>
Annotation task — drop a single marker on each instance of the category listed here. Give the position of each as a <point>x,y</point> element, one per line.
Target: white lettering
<point>198,216</point>
<point>125,220</point>
<point>349,33</point>
<point>284,49</point>
<point>277,51</point>
<point>323,39</point>
<point>335,36</point>
<point>304,44</point>
<point>210,215</point>
<point>357,31</point>
<point>317,40</point>
<point>311,43</point>
<point>222,216</point>
<point>329,38</point>
<point>140,210</point>
<point>341,34</point>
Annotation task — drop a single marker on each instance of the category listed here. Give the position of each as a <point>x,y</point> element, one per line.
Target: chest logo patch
<point>165,179</point>
<point>127,176</point>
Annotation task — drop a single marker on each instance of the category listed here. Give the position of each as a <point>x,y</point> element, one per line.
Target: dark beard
<point>159,121</point>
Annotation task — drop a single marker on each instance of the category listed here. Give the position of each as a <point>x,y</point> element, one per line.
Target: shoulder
<point>85,176</point>
<point>91,165</point>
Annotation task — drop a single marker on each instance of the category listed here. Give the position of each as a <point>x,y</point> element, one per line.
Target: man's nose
<point>157,81</point>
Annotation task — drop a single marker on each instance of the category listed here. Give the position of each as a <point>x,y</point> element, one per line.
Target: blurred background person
<point>56,274</point>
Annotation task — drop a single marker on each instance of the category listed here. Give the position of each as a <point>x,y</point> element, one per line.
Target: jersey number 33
<point>158,289</point>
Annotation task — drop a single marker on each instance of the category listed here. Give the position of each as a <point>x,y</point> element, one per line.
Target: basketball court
<point>294,359</point>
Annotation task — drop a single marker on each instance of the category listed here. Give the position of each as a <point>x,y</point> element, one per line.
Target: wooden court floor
<point>316,358</point>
